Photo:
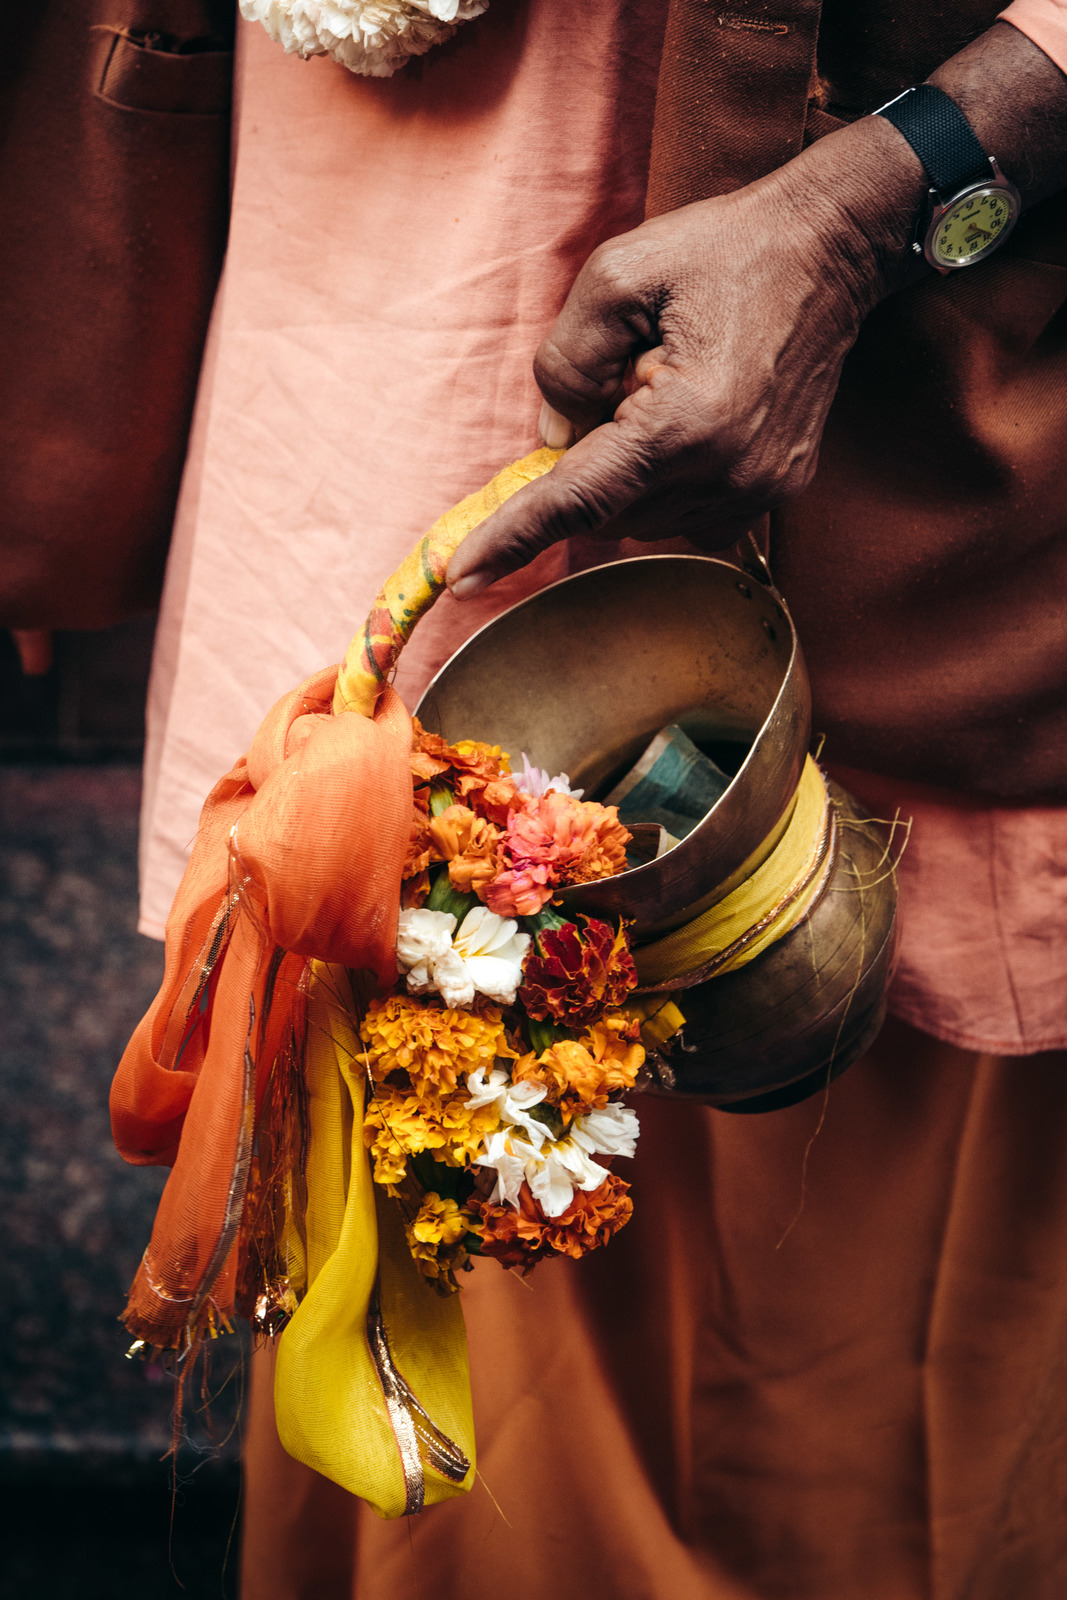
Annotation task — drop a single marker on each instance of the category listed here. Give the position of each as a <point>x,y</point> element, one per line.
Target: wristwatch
<point>973,207</point>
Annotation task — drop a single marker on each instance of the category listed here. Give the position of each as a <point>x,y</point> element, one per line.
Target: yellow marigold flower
<point>433,1044</point>
<point>474,749</point>
<point>466,1128</point>
<point>435,1239</point>
<point>615,1043</point>
<point>439,1221</point>
<point>400,1122</point>
<point>396,1124</point>
<point>390,1164</point>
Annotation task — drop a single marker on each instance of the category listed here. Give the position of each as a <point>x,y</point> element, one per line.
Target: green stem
<point>546,920</point>
<point>442,897</point>
<point>543,1035</point>
<point>441,797</point>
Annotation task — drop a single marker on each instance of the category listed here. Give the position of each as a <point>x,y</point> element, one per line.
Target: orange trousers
<point>827,1360</point>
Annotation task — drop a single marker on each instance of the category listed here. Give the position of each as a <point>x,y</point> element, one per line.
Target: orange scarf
<point>299,853</point>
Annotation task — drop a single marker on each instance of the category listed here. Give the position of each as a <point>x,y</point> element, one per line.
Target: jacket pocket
<point>150,72</point>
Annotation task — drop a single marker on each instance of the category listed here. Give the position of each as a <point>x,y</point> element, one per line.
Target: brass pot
<point>784,1026</point>
<point>581,677</point>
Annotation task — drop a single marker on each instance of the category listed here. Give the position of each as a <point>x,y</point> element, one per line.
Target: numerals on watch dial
<point>972,227</point>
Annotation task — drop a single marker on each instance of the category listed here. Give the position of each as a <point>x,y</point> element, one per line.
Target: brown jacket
<point>926,565</point>
<point>114,170</point>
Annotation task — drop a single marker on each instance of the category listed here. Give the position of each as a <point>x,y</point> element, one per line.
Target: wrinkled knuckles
<point>614,280</point>
<point>567,387</point>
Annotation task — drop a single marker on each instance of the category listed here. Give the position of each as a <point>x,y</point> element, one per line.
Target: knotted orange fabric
<point>298,856</point>
<point>299,853</point>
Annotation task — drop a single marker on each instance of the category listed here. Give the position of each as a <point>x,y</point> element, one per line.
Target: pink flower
<point>552,840</point>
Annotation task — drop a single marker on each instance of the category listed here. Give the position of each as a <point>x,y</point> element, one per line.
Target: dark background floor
<point>87,1500</point>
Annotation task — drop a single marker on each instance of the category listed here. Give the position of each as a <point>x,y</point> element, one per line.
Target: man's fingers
<point>556,432</point>
<point>599,478</point>
<point>647,363</point>
<point>606,317</point>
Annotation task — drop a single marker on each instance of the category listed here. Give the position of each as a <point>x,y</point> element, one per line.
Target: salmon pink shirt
<point>398,249</point>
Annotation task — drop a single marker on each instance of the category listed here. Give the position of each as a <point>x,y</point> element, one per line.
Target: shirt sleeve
<point>1043,21</point>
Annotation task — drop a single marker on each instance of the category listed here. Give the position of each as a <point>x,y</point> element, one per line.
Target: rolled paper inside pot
<point>673,783</point>
<point>405,597</point>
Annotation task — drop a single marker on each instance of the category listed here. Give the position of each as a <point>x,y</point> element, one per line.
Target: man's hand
<point>736,314</point>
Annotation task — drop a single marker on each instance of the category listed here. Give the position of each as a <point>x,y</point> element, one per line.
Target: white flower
<point>512,1101</point>
<point>612,1131</point>
<point>422,939</point>
<point>557,1171</point>
<point>449,976</point>
<point>372,37</point>
<point>493,951</point>
<point>552,1170</point>
<point>536,781</point>
<point>510,1166</point>
<point>485,956</point>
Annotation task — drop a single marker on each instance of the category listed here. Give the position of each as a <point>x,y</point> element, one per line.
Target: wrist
<point>862,192</point>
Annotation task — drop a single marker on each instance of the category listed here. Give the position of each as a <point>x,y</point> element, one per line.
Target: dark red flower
<point>574,974</point>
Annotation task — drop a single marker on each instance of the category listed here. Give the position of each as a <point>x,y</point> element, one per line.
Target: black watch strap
<point>941,137</point>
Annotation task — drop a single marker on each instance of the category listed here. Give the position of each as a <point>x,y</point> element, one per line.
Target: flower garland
<point>498,1062</point>
<point>369,37</point>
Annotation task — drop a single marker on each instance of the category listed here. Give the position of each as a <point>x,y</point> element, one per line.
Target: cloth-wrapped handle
<point>414,586</point>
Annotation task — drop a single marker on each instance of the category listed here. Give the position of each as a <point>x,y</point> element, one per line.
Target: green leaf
<point>436,1178</point>
<point>549,1117</point>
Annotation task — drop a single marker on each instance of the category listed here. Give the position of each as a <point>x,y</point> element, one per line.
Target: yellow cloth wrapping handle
<point>371,1386</point>
<point>763,909</point>
<point>416,583</point>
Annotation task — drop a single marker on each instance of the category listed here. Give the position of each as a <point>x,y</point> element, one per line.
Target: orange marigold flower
<point>580,1074</point>
<point>434,1045</point>
<point>478,774</point>
<point>591,1218</point>
<point>420,845</point>
<point>522,1237</point>
<point>495,801</point>
<point>574,974</point>
<point>553,840</point>
<point>514,1237</point>
<point>413,891</point>
<point>469,844</point>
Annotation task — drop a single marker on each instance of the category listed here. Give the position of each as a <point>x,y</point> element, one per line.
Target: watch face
<point>970,227</point>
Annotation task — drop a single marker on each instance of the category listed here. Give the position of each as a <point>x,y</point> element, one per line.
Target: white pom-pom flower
<point>484,957</point>
<point>371,37</point>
